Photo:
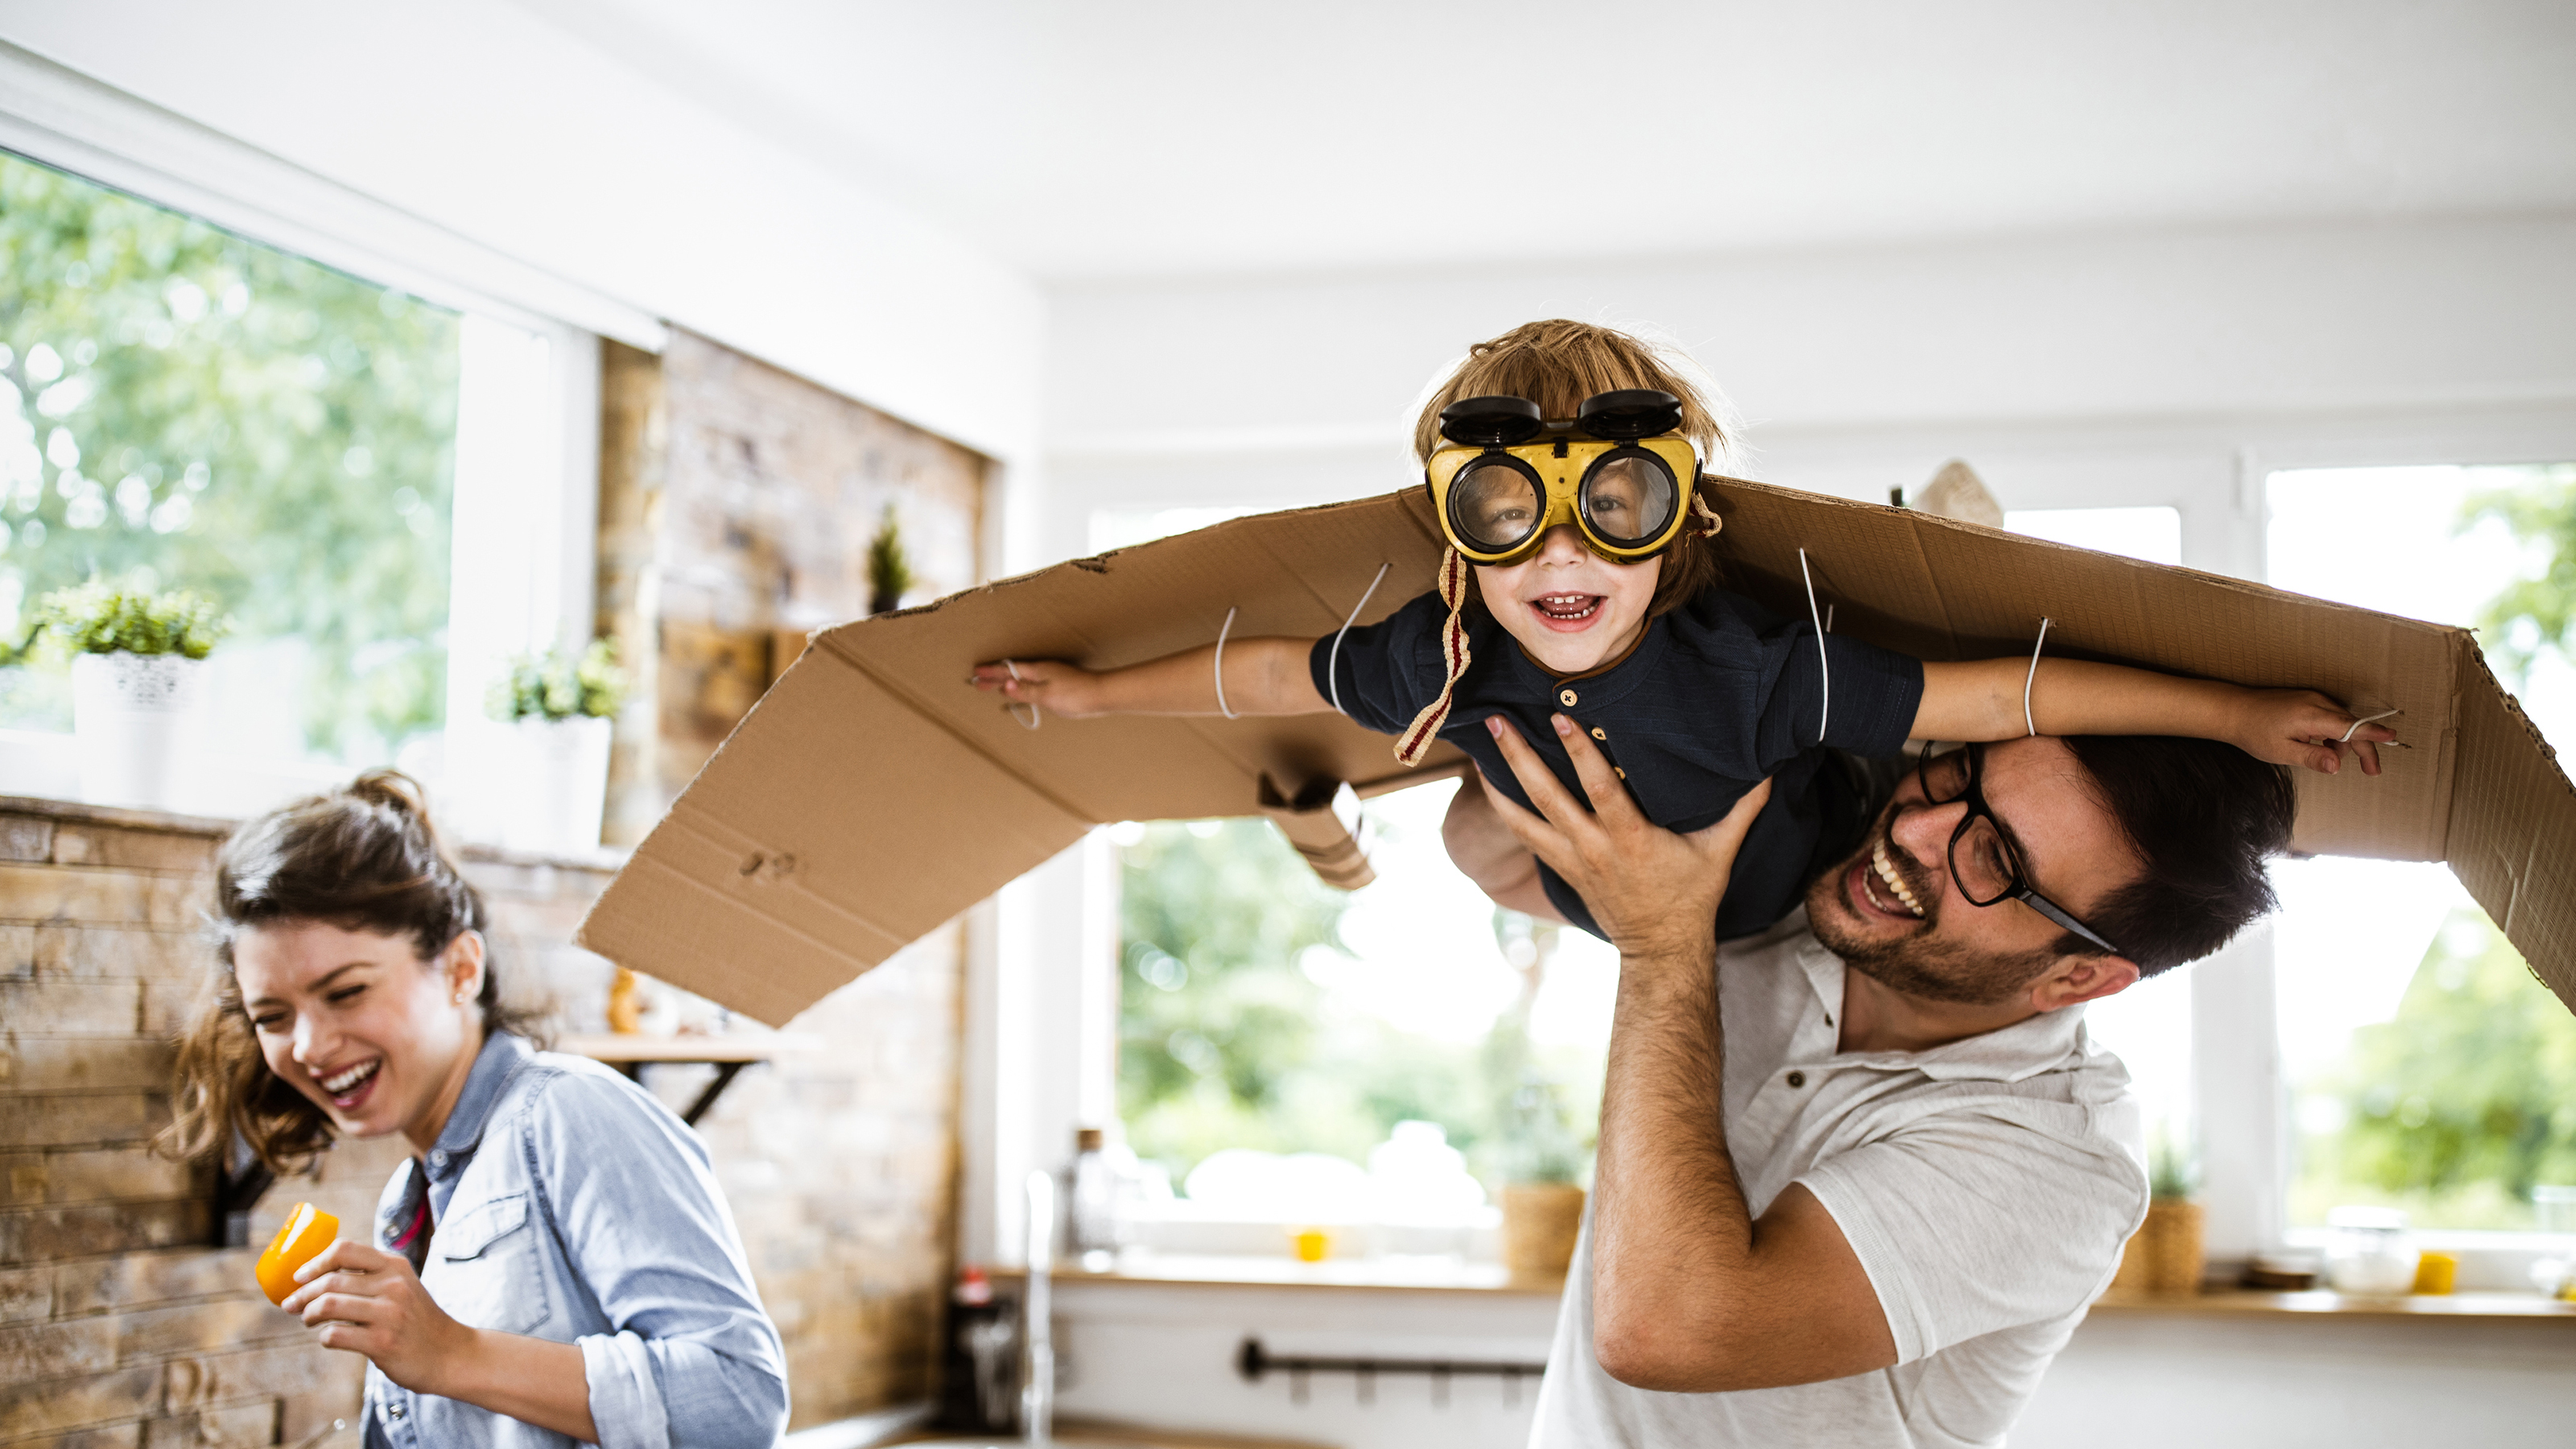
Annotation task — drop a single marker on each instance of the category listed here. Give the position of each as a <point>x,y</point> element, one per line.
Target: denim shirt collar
<point>502,1055</point>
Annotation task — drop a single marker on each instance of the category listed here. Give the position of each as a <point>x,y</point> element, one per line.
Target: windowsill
<point>1399,1274</point>
<point>2232,1302</point>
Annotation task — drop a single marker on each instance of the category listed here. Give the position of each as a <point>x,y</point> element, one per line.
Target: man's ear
<point>2078,979</point>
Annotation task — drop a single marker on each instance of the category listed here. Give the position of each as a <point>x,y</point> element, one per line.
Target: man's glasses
<point>1984,861</point>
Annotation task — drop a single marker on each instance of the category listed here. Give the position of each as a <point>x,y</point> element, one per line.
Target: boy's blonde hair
<point>1557,364</point>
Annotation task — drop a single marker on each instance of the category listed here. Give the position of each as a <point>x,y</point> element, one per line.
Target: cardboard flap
<point>2513,827</point>
<point>874,793</point>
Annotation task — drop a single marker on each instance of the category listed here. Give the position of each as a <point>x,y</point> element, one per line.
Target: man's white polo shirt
<point>1986,1186</point>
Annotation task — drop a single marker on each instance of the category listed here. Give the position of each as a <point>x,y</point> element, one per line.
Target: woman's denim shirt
<point>568,1204</point>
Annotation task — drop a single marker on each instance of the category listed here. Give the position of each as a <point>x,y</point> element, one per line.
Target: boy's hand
<point>1049,684</point>
<point>2303,727</point>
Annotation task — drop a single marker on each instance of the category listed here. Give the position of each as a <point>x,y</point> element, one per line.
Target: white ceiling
<point>1093,138</point>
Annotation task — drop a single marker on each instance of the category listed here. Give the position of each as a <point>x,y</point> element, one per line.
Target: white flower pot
<point>559,773</point>
<point>134,719</point>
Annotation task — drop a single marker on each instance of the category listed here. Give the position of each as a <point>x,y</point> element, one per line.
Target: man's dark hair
<point>2204,816</point>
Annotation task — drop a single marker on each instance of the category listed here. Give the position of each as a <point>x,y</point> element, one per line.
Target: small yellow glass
<point>307,1232</point>
<point>1313,1244</point>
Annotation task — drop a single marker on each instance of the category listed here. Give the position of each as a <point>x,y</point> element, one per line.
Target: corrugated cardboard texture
<point>874,794</point>
<point>2513,827</point>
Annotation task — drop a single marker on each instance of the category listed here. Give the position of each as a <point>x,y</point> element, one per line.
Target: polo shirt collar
<point>2007,1054</point>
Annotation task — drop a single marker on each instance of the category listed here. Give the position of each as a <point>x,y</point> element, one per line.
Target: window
<point>180,407</point>
<point>387,497</point>
<point>2428,1070</point>
<point>1262,1011</point>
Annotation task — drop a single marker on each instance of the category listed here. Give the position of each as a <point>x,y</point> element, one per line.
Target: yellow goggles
<point>1508,475</point>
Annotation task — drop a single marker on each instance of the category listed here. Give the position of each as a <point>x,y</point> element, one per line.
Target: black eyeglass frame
<point>2017,885</point>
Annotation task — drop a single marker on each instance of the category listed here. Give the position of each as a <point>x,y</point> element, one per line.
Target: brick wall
<point>117,1327</point>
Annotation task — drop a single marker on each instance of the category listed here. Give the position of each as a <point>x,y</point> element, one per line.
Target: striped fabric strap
<point>1416,740</point>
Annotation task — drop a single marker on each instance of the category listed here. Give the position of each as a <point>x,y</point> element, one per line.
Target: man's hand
<point>2302,727</point>
<point>1654,892</point>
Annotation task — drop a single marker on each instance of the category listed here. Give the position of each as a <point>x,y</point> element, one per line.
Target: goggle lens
<point>1629,497</point>
<point>1493,505</point>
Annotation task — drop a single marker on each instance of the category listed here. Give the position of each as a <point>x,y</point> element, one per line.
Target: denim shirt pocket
<point>485,1269</point>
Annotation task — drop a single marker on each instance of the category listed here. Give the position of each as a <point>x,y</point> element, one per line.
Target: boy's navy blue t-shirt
<point>1717,695</point>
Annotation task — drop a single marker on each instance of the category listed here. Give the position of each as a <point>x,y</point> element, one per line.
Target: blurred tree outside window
<point>186,408</point>
<point>1260,1008</point>
<point>2429,1069</point>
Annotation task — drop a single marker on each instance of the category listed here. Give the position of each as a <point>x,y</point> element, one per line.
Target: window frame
<point>541,557</point>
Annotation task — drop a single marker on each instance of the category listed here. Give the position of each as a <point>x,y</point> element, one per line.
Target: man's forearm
<point>1670,1229</point>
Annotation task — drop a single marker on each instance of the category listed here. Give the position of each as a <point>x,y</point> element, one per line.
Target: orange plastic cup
<point>307,1232</point>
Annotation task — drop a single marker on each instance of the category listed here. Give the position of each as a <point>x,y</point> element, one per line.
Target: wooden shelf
<point>631,1054</point>
<point>2236,1302</point>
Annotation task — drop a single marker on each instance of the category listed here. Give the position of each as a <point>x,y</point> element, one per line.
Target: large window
<point>2428,1069</point>
<point>1262,1011</point>
<point>180,407</point>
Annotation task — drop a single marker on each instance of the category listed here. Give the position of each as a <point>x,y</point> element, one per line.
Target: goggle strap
<point>1416,740</point>
<point>1699,505</point>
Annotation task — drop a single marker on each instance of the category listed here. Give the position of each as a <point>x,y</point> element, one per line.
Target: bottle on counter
<point>1093,1226</point>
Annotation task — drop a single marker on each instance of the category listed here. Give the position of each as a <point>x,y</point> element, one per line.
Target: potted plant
<point>889,565</point>
<point>1542,1205</point>
<point>558,708</point>
<point>138,674</point>
<point>2166,1255</point>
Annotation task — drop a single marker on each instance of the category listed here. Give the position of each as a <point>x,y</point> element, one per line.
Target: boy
<point>1598,600</point>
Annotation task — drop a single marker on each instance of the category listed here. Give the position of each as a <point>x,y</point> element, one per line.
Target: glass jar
<point>2369,1251</point>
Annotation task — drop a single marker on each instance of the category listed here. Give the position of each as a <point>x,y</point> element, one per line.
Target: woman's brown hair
<point>1557,364</point>
<point>363,858</point>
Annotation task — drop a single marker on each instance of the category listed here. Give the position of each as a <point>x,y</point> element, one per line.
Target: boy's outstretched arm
<point>1982,700</point>
<point>1262,676</point>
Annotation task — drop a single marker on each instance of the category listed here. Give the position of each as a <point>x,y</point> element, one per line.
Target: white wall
<point>2063,367</point>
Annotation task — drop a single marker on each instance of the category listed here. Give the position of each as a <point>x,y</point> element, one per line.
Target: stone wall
<point>118,1326</point>
<point>736,506</point>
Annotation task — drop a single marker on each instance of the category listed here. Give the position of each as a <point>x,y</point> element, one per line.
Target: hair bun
<point>394,790</point>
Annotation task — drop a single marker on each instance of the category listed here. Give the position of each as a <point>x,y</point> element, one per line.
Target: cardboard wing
<point>873,794</point>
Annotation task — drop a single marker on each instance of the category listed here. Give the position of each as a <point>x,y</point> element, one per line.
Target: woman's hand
<point>1050,684</point>
<point>2302,727</point>
<point>370,1302</point>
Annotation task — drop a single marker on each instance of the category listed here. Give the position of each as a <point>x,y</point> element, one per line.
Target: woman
<point>555,1263</point>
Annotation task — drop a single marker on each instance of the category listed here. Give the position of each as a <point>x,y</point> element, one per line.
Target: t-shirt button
<point>1797,1079</point>
<point>1565,697</point>
<point>1599,733</point>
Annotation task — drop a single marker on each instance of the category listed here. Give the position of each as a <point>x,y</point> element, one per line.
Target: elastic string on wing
<point>1333,661</point>
<point>2028,679</point>
<point>2366,719</point>
<point>1036,717</point>
<point>1824,664</point>
<point>1220,665</point>
<point>1416,740</point>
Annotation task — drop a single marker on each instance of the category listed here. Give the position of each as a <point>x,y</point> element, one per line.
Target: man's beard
<point>1916,964</point>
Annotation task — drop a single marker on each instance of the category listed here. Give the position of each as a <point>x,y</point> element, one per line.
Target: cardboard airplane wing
<point>873,794</point>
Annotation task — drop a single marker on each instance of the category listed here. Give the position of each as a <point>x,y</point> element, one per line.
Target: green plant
<point>553,686</point>
<point>102,618</point>
<point>2173,1168</point>
<point>889,566</point>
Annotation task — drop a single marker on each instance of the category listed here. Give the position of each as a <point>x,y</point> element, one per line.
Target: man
<point>1860,1175</point>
